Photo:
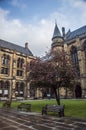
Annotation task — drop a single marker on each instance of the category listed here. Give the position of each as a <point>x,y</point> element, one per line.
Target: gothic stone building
<point>13,73</point>
<point>75,44</point>
<point>14,59</point>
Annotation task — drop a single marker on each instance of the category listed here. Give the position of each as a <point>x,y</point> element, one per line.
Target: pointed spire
<point>56,32</point>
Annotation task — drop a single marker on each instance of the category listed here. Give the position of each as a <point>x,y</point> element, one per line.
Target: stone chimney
<point>63,31</point>
<point>26,45</point>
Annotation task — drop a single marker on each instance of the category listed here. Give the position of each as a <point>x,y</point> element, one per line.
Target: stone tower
<point>57,39</point>
<point>74,44</point>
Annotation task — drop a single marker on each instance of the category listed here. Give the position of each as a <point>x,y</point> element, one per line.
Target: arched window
<point>74,55</point>
<point>20,63</point>
<point>74,58</point>
<point>5,60</point>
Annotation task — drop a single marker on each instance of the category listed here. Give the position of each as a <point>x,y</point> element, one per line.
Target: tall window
<point>74,58</point>
<point>4,88</point>
<point>74,55</point>
<point>20,89</point>
<point>5,60</point>
<point>20,63</point>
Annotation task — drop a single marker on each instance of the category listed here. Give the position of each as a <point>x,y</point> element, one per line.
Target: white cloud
<point>39,35</point>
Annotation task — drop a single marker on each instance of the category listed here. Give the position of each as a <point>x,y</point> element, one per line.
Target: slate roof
<point>78,32</point>
<point>56,32</point>
<point>15,47</point>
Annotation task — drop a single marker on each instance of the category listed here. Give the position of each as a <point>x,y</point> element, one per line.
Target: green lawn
<point>73,108</point>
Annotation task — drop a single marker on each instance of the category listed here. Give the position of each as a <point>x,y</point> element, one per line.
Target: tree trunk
<point>66,93</point>
<point>57,97</point>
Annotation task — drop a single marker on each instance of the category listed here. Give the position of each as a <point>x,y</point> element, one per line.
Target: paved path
<point>15,120</point>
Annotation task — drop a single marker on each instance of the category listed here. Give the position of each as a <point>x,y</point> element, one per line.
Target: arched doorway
<point>78,91</point>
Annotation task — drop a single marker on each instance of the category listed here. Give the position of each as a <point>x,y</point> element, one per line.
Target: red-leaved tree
<point>53,71</point>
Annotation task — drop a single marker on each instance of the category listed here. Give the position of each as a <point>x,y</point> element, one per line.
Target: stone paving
<point>17,120</point>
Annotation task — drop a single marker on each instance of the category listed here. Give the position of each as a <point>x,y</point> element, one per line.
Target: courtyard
<point>12,119</point>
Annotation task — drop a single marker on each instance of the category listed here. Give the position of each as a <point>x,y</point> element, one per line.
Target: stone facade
<point>75,44</point>
<point>13,70</point>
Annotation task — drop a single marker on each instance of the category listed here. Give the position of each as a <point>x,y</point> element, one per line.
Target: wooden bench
<point>24,107</point>
<point>53,108</point>
<point>7,104</point>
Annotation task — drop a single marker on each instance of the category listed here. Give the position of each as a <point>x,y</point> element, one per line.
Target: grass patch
<point>73,108</point>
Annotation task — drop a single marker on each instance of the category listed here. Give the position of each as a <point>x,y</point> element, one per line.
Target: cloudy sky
<point>33,21</point>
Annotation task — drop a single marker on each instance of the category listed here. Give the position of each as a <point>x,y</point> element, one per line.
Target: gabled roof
<point>75,33</point>
<point>15,47</point>
<point>56,32</point>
